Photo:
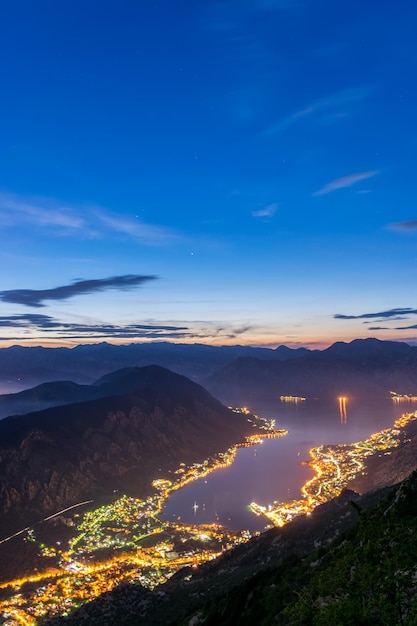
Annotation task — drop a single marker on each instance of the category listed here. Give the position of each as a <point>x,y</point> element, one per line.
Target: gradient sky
<point>216,172</point>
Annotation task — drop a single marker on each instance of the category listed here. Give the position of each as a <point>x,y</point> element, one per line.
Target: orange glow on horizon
<point>269,339</point>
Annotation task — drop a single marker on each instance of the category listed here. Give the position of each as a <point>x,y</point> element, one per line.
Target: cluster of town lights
<point>128,541</point>
<point>123,541</point>
<point>334,467</point>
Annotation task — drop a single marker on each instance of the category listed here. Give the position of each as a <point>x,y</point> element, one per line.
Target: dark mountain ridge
<point>364,367</point>
<point>368,351</point>
<point>56,393</point>
<point>46,395</point>
<point>53,458</point>
<point>29,366</point>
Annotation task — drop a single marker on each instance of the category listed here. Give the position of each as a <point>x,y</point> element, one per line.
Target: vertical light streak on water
<point>342,410</point>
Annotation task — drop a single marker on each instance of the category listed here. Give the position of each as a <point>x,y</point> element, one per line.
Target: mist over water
<point>272,471</point>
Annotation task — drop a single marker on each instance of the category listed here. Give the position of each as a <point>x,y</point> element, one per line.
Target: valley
<point>128,541</point>
<point>126,489</point>
<point>125,540</point>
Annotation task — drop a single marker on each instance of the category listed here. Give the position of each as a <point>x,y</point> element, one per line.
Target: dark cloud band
<point>21,321</point>
<point>407,225</point>
<point>48,325</point>
<point>36,297</point>
<point>392,313</point>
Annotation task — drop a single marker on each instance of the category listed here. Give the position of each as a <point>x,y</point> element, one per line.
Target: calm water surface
<point>272,470</point>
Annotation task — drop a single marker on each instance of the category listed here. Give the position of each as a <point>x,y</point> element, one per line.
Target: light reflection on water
<point>272,470</point>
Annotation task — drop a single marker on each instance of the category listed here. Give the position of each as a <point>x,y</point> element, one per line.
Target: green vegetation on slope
<point>367,576</point>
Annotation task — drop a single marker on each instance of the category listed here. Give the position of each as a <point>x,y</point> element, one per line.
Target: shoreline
<point>125,540</point>
<point>335,466</point>
<point>221,460</point>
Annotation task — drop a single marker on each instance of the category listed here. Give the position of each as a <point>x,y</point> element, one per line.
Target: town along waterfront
<point>127,540</point>
<point>276,470</point>
<point>81,556</point>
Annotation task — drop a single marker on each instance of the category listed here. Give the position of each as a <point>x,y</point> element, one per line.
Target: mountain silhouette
<point>362,368</point>
<point>147,421</point>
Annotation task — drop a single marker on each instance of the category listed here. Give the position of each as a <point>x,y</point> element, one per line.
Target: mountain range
<point>362,368</point>
<point>93,435</point>
<point>23,367</point>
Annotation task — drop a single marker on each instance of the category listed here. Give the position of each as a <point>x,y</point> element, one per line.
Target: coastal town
<point>123,541</point>
<point>128,541</point>
<point>334,467</point>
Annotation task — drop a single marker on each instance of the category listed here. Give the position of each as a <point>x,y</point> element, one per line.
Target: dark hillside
<point>59,456</point>
<point>44,396</point>
<point>58,393</point>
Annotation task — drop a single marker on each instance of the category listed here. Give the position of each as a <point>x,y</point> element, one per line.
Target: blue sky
<point>216,172</point>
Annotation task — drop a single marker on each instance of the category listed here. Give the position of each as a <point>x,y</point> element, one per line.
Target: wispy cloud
<point>235,332</point>
<point>28,320</point>
<point>47,326</point>
<point>36,297</point>
<point>30,327</point>
<point>379,328</point>
<point>14,209</point>
<point>134,228</point>
<point>406,327</point>
<point>406,226</point>
<point>391,313</point>
<point>327,104</point>
<point>345,181</point>
<point>90,222</point>
<point>397,318</point>
<point>268,211</point>
<point>217,331</point>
